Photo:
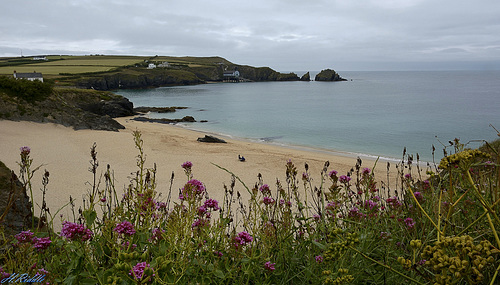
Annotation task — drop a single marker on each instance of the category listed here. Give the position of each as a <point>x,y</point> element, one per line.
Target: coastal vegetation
<point>435,225</point>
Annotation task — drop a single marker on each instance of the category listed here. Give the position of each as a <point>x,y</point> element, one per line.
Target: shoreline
<point>65,153</point>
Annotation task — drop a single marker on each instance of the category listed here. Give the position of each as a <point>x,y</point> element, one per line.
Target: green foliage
<point>438,228</point>
<point>29,91</point>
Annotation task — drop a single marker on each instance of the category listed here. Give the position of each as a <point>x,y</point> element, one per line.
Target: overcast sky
<point>286,35</point>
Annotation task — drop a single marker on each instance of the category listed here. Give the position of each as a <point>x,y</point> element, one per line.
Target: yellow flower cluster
<point>469,262</point>
<point>405,262</point>
<point>465,156</point>
<point>344,278</point>
<point>337,249</point>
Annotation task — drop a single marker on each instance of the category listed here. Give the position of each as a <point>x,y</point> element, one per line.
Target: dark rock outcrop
<point>77,108</point>
<point>15,206</point>
<point>306,77</point>
<point>157,109</point>
<point>211,139</point>
<point>187,119</point>
<point>116,107</point>
<point>328,75</point>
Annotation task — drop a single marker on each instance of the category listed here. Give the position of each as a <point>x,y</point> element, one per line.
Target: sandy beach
<point>65,153</point>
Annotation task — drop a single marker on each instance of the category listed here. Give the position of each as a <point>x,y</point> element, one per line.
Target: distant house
<point>151,66</point>
<point>40,58</point>
<point>231,74</point>
<point>164,64</point>
<point>32,76</point>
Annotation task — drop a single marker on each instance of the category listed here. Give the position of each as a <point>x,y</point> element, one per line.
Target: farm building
<point>31,76</point>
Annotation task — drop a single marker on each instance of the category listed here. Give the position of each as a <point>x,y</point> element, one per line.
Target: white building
<point>151,66</point>
<point>31,76</point>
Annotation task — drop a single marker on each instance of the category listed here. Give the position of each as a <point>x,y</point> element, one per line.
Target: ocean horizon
<point>373,113</point>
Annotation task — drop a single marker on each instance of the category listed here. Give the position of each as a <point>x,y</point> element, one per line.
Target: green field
<point>56,65</point>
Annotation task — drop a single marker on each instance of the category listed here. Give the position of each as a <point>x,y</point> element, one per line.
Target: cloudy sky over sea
<point>287,35</point>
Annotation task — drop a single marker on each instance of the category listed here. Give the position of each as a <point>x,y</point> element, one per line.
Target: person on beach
<point>241,158</point>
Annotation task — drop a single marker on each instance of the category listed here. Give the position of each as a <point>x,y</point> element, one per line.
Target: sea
<point>372,114</point>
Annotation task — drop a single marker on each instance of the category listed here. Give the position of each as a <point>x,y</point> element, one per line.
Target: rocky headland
<point>328,75</point>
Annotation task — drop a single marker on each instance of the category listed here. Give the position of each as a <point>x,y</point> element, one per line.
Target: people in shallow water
<point>241,158</point>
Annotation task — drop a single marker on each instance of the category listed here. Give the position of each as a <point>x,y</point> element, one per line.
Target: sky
<point>286,35</point>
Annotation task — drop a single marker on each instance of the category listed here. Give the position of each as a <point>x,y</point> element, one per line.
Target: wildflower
<point>355,213</point>
<point>24,237</point>
<point>319,259</point>
<point>316,217</point>
<point>408,176</point>
<point>344,179</point>
<point>157,234</point>
<point>200,223</point>
<point>366,171</point>
<point>305,176</point>
<point>125,228</point>
<point>218,253</point>
<point>385,235</point>
<point>333,173</point>
<point>193,187</point>
<point>140,270</point>
<point>418,196</point>
<point>3,274</point>
<point>126,245</point>
<point>242,238</point>
<point>393,202</point>
<point>41,243</point>
<point>73,231</point>
<point>268,200</point>
<point>187,165</point>
<point>103,199</point>
<point>409,223</point>
<point>265,190</point>
<point>269,266</point>
<point>212,204</point>
<point>25,150</point>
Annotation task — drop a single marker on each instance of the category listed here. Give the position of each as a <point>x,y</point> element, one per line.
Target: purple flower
<point>409,223</point>
<point>73,231</point>
<point>319,258</point>
<point>393,202</point>
<point>344,179</point>
<point>25,150</point>
<point>138,271</point>
<point>316,217</point>
<point>103,199</point>
<point>333,173</point>
<point>125,228</point>
<point>41,243</point>
<point>157,234</point>
<point>200,223</point>
<point>366,171</point>
<point>187,165</point>
<point>192,189</point>
<point>3,274</point>
<point>268,200</point>
<point>218,253</point>
<point>418,196</point>
<point>24,237</point>
<point>265,190</point>
<point>242,238</point>
<point>408,176</point>
<point>269,266</point>
<point>212,204</point>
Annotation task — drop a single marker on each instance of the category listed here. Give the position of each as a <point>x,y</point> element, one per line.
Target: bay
<point>373,113</point>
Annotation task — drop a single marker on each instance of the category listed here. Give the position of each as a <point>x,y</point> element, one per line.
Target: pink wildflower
<point>187,165</point>
<point>212,204</point>
<point>366,171</point>
<point>242,238</point>
<point>269,266</point>
<point>125,228</point>
<point>319,258</point>
<point>193,188</point>
<point>265,190</point>
<point>24,237</point>
<point>139,271</point>
<point>73,231</point>
<point>418,196</point>
<point>333,173</point>
<point>344,179</point>
<point>268,200</point>
<point>409,223</point>
<point>25,150</point>
<point>41,243</point>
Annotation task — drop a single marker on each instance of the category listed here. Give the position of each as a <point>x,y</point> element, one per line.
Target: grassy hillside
<point>106,72</point>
